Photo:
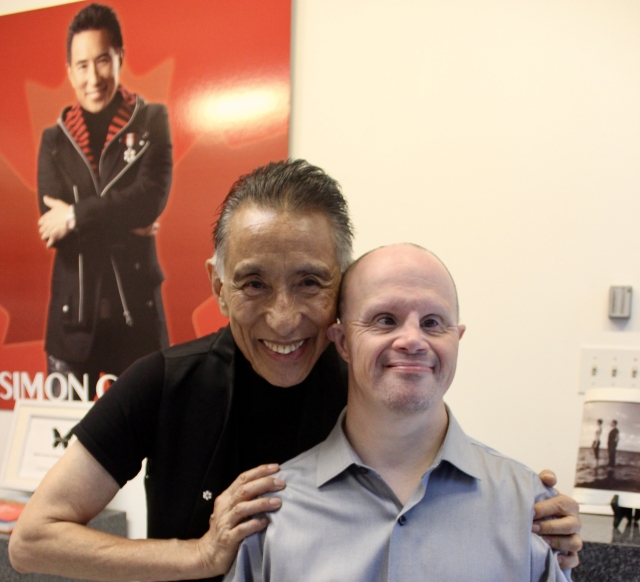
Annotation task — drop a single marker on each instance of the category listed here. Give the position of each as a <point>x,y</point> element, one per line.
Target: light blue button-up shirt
<point>468,520</point>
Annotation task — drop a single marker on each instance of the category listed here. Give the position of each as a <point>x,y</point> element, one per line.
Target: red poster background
<point>221,67</point>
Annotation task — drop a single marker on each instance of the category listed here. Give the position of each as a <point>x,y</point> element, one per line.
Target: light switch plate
<point>602,367</point>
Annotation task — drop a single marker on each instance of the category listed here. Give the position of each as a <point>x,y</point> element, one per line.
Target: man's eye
<point>253,287</point>
<point>386,320</point>
<point>430,322</point>
<point>309,282</point>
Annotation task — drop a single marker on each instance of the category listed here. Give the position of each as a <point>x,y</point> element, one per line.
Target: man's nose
<point>92,74</point>
<point>283,315</point>
<point>411,337</point>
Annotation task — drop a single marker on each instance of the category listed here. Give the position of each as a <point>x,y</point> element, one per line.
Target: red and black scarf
<point>74,122</point>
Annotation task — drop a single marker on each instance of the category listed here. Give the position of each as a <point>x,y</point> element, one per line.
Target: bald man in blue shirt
<point>398,492</point>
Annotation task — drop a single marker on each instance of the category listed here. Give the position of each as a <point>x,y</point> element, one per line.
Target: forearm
<point>50,536</point>
<point>136,206</point>
<point>76,551</point>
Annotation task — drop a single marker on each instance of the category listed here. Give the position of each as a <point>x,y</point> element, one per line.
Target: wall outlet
<point>609,367</point>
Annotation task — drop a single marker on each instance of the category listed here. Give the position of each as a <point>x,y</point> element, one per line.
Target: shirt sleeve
<point>544,563</point>
<point>119,430</point>
<point>248,565</point>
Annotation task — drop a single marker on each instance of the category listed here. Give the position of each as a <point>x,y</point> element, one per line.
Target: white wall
<point>505,136</point>
<point>14,6</point>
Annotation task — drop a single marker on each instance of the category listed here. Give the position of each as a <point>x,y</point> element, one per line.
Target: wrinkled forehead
<point>262,238</point>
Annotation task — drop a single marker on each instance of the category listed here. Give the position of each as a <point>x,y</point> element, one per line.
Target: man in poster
<point>104,174</point>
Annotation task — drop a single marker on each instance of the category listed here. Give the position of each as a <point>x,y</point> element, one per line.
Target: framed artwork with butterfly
<point>40,433</point>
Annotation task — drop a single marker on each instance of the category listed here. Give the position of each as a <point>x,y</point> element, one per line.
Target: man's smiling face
<point>399,329</point>
<point>94,69</point>
<point>280,287</point>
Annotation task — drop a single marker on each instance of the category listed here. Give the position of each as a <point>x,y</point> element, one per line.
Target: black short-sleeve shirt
<point>201,415</point>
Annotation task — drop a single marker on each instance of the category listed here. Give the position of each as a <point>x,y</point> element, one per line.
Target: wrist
<point>210,562</point>
<point>70,220</point>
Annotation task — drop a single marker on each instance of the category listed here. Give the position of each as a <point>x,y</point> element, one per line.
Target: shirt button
<point>65,309</point>
<point>402,520</point>
<point>136,266</point>
<point>149,303</point>
<point>363,470</point>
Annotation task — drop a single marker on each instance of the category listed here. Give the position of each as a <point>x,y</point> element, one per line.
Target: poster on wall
<point>114,158</point>
<point>609,454</point>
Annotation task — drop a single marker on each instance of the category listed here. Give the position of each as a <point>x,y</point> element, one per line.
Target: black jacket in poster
<point>129,191</point>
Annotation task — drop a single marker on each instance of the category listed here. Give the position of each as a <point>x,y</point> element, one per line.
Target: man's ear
<point>461,329</point>
<point>336,334</point>
<point>216,286</point>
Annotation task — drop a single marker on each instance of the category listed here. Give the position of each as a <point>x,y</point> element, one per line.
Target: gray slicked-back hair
<point>293,186</point>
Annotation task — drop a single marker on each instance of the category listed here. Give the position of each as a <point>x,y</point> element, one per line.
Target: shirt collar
<point>336,454</point>
<point>458,449</point>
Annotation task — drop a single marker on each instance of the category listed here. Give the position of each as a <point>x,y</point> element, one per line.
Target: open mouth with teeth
<point>283,349</point>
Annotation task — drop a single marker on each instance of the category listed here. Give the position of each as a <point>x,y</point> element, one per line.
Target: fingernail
<point>535,528</point>
<point>278,482</point>
<point>272,467</point>
<point>274,502</point>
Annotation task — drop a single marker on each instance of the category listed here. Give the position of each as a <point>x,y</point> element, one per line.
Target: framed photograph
<point>609,451</point>
<point>40,434</point>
